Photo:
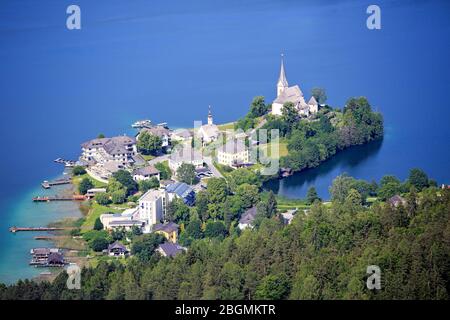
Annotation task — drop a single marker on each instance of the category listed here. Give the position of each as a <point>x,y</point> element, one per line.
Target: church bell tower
<point>282,81</point>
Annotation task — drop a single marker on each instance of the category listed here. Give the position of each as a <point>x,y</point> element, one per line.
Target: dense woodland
<point>322,254</point>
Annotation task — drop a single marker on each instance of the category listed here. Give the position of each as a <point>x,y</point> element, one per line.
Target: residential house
<point>288,216</point>
<point>146,173</point>
<point>117,249</point>
<point>247,219</point>
<point>160,131</point>
<point>396,201</point>
<point>92,192</point>
<point>186,154</point>
<point>168,230</point>
<point>168,249</point>
<point>181,135</point>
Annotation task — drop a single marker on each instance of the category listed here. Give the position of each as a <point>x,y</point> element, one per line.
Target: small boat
<point>142,124</point>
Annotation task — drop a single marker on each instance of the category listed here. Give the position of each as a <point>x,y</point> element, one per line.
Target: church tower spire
<point>210,117</point>
<point>282,81</point>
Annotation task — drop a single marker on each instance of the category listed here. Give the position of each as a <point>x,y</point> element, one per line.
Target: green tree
<point>248,194</point>
<point>78,170</point>
<point>418,178</point>
<point>186,173</point>
<point>290,114</point>
<point>194,229</point>
<point>164,171</point>
<point>101,136</point>
<point>118,196</point>
<point>145,185</point>
<point>319,94</point>
<point>102,198</point>
<point>312,195</point>
<point>99,244</point>
<point>149,143</point>
<point>215,229</point>
<point>126,180</point>
<point>273,287</point>
<point>85,185</point>
<point>258,107</point>
<point>98,225</point>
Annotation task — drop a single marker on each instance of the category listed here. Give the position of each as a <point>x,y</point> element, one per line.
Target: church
<point>292,94</point>
<point>208,132</point>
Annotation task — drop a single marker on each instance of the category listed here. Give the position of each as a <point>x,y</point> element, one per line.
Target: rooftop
<point>146,171</point>
<point>248,216</point>
<point>151,195</point>
<point>166,227</point>
<point>171,249</point>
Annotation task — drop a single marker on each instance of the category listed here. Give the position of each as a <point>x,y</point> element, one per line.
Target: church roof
<point>209,130</point>
<point>312,101</point>
<point>291,94</point>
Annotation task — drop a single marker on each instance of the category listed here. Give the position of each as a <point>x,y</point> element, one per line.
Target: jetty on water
<point>59,198</point>
<point>19,229</point>
<point>48,184</point>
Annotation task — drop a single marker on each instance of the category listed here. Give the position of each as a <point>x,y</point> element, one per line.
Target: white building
<point>152,206</point>
<point>292,94</point>
<point>119,150</point>
<point>208,132</point>
<point>234,151</point>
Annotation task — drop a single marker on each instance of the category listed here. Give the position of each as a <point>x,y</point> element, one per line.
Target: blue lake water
<point>168,60</point>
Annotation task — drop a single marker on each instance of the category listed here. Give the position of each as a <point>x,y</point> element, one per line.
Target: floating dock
<point>67,163</point>
<point>49,184</point>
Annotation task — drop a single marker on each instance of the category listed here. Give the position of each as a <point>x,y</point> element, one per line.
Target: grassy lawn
<point>148,157</point>
<point>226,126</point>
<point>77,179</point>
<point>282,145</point>
<point>285,204</point>
<point>95,212</point>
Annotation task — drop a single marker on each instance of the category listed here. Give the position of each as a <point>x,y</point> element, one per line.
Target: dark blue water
<point>168,60</point>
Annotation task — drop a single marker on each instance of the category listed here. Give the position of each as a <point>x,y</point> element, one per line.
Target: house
<point>47,257</point>
<point>208,132</point>
<point>233,152</point>
<point>396,201</point>
<point>152,206</point>
<point>160,131</point>
<point>120,150</point>
<point>168,249</point>
<point>247,218</point>
<point>146,173</point>
<point>292,94</point>
<point>186,154</point>
<point>127,220</point>
<point>117,249</point>
<point>288,216</point>
<point>182,191</point>
<point>92,192</point>
<point>168,230</point>
<point>181,135</point>
<point>127,225</point>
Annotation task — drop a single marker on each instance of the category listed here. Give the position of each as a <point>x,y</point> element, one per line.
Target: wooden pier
<point>59,198</point>
<point>36,229</point>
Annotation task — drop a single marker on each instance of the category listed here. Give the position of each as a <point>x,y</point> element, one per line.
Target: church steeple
<point>210,117</point>
<point>282,81</point>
